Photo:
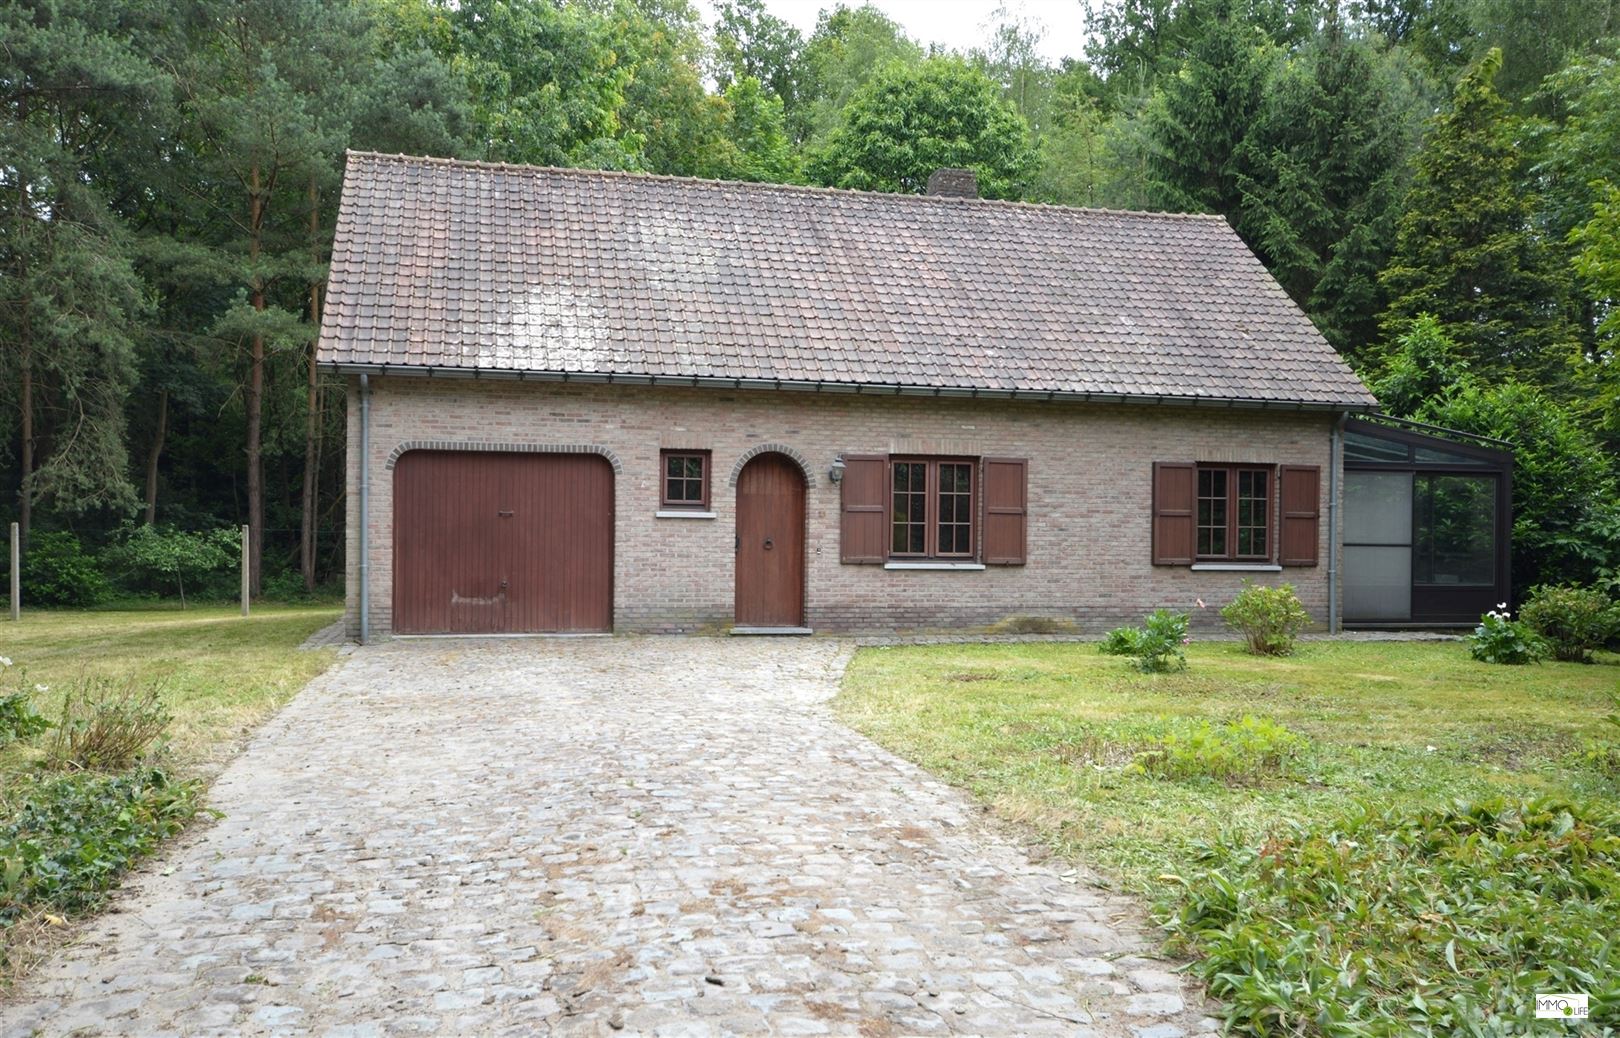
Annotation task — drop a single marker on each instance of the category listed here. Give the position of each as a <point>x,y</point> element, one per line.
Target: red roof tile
<point>515,269</point>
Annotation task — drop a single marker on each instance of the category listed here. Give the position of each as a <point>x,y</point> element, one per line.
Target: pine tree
<point>1199,116</point>
<point>1466,248</point>
<point>75,88</point>
<point>1323,170</point>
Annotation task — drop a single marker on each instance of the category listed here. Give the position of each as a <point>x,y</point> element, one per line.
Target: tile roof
<point>511,269</point>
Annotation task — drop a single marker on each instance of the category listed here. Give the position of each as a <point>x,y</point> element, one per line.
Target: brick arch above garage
<point>509,448</point>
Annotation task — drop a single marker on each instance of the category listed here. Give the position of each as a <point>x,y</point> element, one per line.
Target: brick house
<point>587,401</point>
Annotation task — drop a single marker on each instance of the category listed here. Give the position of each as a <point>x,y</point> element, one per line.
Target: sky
<point>957,24</point>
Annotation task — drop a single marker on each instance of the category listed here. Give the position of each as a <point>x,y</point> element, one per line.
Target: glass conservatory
<point>1427,524</point>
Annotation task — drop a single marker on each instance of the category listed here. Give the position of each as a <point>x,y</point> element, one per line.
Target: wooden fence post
<point>16,572</point>
<point>246,573</point>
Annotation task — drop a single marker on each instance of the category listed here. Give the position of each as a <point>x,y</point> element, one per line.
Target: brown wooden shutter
<point>1301,493</point>
<point>1006,517</point>
<point>1175,493</point>
<point>864,523</point>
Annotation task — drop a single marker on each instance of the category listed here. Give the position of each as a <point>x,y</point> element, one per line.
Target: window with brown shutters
<point>1235,513</point>
<point>908,509</point>
<point>1006,511</point>
<point>863,526</point>
<point>1301,490</point>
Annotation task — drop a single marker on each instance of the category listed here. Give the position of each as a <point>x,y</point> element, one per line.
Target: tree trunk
<point>254,398</point>
<point>312,417</point>
<point>153,455</point>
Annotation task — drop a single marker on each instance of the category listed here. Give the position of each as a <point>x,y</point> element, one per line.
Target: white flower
<point>1501,605</point>
<point>4,661</point>
<point>1430,749</point>
<point>42,689</point>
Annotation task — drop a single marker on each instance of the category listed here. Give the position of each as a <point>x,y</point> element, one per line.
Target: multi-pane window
<point>1253,513</point>
<point>931,509</point>
<point>1213,495</point>
<point>685,479</point>
<point>908,514</point>
<point>1234,512</point>
<point>954,519</point>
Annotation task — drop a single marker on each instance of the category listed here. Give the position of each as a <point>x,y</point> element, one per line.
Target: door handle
<point>768,544</point>
<point>504,514</point>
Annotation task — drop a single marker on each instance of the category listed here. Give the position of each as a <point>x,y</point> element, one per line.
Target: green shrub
<point>19,721</point>
<point>1158,646</point>
<point>72,836</point>
<point>1270,618</point>
<point>1409,921</point>
<point>164,558</point>
<point>1573,621</point>
<point>1231,751</point>
<point>107,725</point>
<point>1501,639</point>
<point>56,571</point>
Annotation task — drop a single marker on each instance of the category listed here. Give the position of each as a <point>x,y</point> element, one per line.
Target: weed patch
<point>1236,752</point>
<point>1445,920</point>
<point>70,837</point>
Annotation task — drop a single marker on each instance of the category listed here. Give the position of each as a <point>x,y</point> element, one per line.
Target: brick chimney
<point>953,183</point>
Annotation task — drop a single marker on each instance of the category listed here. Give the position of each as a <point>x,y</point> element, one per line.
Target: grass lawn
<point>220,674</point>
<point>1046,736</point>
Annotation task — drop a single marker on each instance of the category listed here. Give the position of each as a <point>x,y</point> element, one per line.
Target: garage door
<point>488,543</point>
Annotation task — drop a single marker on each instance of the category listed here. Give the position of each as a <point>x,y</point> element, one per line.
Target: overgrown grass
<point>144,704</point>
<point>1053,737</point>
<point>220,675</point>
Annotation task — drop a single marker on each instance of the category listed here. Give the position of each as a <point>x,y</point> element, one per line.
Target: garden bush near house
<point>1158,646</point>
<point>1270,618</point>
<point>68,838</point>
<point>57,571</point>
<point>1573,621</point>
<point>1427,921</point>
<point>1232,751</point>
<point>1501,639</point>
<point>163,559</point>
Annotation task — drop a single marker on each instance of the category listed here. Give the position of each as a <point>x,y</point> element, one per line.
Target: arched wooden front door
<point>770,543</point>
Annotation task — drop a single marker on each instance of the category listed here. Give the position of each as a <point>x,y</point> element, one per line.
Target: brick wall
<point>1090,474</point>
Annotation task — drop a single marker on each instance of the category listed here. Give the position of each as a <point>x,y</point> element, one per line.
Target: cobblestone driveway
<point>635,835</point>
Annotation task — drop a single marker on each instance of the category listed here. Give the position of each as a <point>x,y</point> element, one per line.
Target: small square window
<point>684,480</point>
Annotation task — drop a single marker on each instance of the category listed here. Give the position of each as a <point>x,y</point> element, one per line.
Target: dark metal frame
<point>1441,604</point>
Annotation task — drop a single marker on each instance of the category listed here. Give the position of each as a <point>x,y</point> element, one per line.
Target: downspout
<point>365,495</point>
<point>1336,442</point>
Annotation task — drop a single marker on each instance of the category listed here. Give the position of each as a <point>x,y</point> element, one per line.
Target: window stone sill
<point>681,513</point>
<point>1236,567</point>
<point>970,567</point>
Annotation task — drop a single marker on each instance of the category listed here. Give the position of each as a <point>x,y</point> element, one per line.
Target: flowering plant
<point>18,718</point>
<point>1501,639</point>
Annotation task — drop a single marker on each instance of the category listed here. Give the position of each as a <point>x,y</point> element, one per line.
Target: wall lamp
<point>836,473</point>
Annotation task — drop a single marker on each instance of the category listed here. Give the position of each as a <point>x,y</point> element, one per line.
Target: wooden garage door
<point>488,543</point>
